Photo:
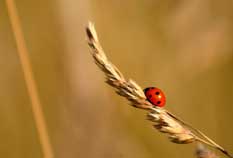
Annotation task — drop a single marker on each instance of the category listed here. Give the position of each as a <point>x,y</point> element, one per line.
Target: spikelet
<point>166,124</point>
<point>127,88</point>
<point>178,131</point>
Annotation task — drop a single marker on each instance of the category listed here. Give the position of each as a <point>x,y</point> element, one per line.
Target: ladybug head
<point>146,89</point>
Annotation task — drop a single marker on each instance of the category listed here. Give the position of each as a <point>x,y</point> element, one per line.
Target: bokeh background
<point>183,47</point>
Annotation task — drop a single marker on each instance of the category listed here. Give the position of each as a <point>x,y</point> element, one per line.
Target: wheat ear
<point>178,131</point>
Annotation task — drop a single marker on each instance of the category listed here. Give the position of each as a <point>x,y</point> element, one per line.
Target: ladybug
<point>155,96</point>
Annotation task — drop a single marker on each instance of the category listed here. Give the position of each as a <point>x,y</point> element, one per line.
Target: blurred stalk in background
<point>30,81</point>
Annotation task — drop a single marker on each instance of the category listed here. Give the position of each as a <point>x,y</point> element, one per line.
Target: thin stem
<point>30,81</point>
<point>204,141</point>
<point>210,141</point>
<point>214,146</point>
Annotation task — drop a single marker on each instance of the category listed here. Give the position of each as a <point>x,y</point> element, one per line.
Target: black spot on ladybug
<point>157,93</point>
<point>153,88</point>
<point>158,102</point>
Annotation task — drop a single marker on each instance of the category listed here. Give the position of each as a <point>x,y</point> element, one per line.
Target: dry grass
<point>30,81</point>
<point>177,130</point>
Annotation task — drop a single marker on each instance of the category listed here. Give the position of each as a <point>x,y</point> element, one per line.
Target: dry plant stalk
<point>178,131</point>
<point>30,81</point>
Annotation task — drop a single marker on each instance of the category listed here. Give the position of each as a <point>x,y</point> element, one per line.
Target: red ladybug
<point>155,96</point>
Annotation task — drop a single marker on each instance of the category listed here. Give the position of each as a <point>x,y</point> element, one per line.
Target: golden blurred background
<point>182,47</point>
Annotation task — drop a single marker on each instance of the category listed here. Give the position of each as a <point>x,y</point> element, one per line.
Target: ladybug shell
<point>155,96</point>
